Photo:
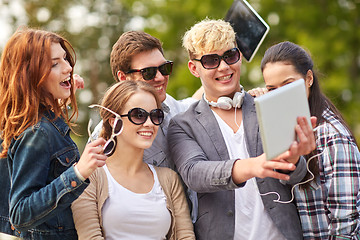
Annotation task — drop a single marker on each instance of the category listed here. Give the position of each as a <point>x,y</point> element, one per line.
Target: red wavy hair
<point>24,68</point>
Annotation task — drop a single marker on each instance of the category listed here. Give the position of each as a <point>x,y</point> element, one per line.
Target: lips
<point>66,82</point>
<point>224,78</point>
<point>159,88</point>
<point>145,134</point>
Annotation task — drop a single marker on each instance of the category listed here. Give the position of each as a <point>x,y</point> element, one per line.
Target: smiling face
<point>138,136</point>
<point>58,83</point>
<point>278,74</point>
<point>221,81</point>
<point>153,58</point>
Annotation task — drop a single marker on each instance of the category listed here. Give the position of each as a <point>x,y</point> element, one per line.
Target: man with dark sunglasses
<point>139,56</point>
<point>216,147</point>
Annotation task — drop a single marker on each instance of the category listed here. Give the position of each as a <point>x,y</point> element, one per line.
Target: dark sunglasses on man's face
<point>117,128</point>
<point>149,73</point>
<point>139,116</point>
<point>211,61</point>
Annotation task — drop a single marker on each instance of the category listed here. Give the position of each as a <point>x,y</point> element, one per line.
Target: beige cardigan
<point>87,208</point>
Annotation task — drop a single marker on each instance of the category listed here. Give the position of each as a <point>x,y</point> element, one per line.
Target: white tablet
<point>249,27</point>
<point>277,112</point>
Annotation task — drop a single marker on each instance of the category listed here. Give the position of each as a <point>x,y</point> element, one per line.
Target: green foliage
<point>328,29</point>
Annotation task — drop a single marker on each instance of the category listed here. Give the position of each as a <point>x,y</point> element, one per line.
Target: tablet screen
<point>249,27</point>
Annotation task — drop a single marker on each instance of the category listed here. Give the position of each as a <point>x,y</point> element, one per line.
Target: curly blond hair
<point>208,35</point>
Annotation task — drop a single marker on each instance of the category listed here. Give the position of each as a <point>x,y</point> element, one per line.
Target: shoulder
<point>41,130</point>
<point>165,174</point>
<point>249,103</point>
<point>164,171</point>
<point>332,133</point>
<point>50,127</point>
<point>332,127</point>
<point>178,106</point>
<point>190,119</point>
<point>98,175</point>
<point>193,110</point>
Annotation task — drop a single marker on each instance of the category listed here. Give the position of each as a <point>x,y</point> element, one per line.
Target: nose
<point>159,76</point>
<point>148,122</point>
<point>67,67</point>
<point>223,65</point>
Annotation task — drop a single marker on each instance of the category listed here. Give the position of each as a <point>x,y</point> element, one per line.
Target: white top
<point>251,219</point>
<point>171,107</point>
<point>129,215</point>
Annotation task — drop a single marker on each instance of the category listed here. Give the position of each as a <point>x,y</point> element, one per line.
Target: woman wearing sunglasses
<point>128,198</point>
<point>36,79</point>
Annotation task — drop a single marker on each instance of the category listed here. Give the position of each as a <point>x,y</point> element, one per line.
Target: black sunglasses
<point>117,128</point>
<point>149,73</point>
<point>139,116</point>
<point>211,61</point>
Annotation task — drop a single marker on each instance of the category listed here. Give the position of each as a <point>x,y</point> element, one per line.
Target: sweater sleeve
<point>86,214</point>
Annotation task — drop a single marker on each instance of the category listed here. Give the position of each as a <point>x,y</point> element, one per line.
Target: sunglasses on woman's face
<point>149,73</point>
<point>211,61</point>
<point>117,128</point>
<point>139,116</point>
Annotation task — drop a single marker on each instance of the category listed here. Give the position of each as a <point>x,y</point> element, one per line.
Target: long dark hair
<point>292,54</point>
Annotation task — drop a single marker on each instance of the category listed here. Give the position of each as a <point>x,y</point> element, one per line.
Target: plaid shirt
<point>329,209</point>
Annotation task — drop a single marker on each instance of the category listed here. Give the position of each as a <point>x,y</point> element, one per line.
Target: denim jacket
<point>43,181</point>
<point>5,226</point>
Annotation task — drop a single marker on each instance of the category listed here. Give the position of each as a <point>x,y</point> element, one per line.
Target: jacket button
<point>67,160</point>
<point>73,183</point>
<point>12,227</point>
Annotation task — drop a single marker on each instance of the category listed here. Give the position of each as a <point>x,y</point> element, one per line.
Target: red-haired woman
<point>36,84</point>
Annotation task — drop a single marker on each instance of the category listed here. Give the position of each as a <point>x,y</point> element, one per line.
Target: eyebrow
<point>283,82</point>
<point>57,58</point>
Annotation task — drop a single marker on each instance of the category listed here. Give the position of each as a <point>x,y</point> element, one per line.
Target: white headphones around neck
<point>227,103</point>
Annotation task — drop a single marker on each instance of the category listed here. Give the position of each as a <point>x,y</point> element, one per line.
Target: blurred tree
<point>328,29</point>
<point>92,26</point>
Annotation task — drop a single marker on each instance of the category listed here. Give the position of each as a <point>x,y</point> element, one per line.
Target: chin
<point>146,146</point>
<point>162,96</point>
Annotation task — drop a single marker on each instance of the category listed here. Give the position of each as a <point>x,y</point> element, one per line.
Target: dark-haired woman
<point>329,202</point>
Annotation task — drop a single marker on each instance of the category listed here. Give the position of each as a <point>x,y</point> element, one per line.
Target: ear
<point>111,121</point>
<point>193,69</point>
<point>309,78</point>
<point>121,75</point>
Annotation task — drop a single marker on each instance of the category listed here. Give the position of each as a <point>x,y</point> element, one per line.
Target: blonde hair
<point>208,35</point>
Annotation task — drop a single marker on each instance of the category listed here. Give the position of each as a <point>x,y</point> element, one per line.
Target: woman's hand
<point>256,92</point>
<point>92,158</point>
<point>78,82</point>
